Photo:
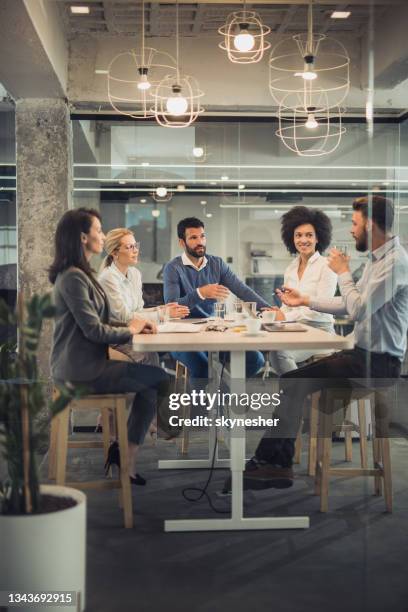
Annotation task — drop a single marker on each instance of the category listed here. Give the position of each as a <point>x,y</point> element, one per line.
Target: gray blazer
<point>82,332</point>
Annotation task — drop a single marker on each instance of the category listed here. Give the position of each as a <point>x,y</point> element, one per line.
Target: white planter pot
<point>45,552</point>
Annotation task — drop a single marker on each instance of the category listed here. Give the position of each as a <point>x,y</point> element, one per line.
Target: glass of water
<point>163,314</point>
<point>249,309</point>
<point>342,248</point>
<point>219,311</point>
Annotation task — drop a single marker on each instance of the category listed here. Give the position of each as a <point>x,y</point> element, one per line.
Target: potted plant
<point>42,528</point>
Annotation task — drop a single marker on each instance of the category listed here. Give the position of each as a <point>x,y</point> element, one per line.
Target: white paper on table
<point>172,328</point>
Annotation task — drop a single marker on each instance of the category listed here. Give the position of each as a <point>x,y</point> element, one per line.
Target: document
<point>171,328</point>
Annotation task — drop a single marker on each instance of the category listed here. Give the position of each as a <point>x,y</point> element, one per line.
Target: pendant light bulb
<point>311,123</point>
<point>308,73</point>
<point>176,105</point>
<point>161,192</point>
<point>143,83</point>
<point>244,41</point>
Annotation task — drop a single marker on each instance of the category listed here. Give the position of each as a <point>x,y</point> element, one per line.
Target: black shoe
<point>260,475</point>
<point>113,457</point>
<point>138,480</point>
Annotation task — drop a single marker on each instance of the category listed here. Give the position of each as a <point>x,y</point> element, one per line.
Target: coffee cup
<point>253,326</point>
<point>269,316</point>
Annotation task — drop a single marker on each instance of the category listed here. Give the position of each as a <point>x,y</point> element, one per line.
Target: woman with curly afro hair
<point>306,233</point>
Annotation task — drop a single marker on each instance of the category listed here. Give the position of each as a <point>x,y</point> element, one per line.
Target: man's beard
<point>362,242</point>
<point>193,253</point>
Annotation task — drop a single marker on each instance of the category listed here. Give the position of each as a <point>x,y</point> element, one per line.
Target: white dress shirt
<point>124,293</point>
<point>317,281</point>
<point>378,302</point>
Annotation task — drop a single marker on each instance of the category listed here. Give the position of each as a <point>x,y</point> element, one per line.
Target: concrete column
<point>44,193</point>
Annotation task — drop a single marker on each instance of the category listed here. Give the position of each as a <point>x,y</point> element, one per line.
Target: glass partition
<point>234,175</point>
<point>8,230</point>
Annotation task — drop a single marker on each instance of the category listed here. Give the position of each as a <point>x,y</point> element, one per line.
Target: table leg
<point>237,449</point>
<point>196,464</point>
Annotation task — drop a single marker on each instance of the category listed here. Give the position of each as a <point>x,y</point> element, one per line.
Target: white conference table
<point>237,344</point>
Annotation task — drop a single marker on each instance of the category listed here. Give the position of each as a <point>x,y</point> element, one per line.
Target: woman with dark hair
<point>83,332</point>
<point>306,233</point>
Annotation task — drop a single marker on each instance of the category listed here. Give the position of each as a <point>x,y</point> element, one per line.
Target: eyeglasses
<point>132,247</point>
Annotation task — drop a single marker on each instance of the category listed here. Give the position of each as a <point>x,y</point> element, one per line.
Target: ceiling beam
<point>109,13</point>
<point>33,49</point>
<point>287,19</point>
<point>154,19</point>
<point>329,21</point>
<point>198,19</point>
<point>296,2</point>
<point>268,2</point>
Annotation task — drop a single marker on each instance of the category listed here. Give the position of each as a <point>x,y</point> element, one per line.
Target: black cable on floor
<point>202,492</point>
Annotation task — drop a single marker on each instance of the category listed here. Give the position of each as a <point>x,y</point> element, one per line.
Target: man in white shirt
<point>377,303</point>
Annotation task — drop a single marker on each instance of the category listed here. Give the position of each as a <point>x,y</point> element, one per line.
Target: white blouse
<point>124,293</point>
<point>318,281</point>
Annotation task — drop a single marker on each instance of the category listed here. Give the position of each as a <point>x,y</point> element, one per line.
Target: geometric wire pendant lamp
<point>309,79</point>
<point>244,37</point>
<point>311,131</point>
<point>177,96</point>
<point>132,74</point>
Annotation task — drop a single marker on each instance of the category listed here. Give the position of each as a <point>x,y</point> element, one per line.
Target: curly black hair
<point>300,215</point>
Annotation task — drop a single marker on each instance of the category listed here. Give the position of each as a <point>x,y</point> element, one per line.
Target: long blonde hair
<point>113,241</point>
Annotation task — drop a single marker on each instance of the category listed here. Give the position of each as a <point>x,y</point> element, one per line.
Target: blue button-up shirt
<point>378,303</point>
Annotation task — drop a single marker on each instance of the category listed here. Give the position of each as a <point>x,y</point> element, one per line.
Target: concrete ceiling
<point>124,17</point>
<point>49,52</point>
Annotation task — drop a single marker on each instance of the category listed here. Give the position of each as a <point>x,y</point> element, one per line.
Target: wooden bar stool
<point>114,404</point>
<point>347,427</point>
<point>381,470</point>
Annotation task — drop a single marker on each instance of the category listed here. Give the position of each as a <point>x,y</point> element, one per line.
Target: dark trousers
<point>344,371</point>
<point>151,385</point>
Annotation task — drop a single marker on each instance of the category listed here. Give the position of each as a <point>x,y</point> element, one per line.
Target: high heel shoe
<point>137,479</point>
<point>113,458</point>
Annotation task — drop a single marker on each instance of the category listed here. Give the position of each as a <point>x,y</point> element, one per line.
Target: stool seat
<point>115,404</point>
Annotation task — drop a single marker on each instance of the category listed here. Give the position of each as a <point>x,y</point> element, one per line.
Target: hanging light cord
<point>143,34</point>
<point>310,29</point>
<point>177,42</point>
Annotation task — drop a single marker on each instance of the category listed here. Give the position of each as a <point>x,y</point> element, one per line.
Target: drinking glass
<point>343,248</point>
<point>249,309</point>
<point>238,312</point>
<point>219,311</point>
<point>163,313</point>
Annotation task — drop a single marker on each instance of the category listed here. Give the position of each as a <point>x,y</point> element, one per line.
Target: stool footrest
<point>351,472</point>
<point>95,484</point>
<point>84,444</point>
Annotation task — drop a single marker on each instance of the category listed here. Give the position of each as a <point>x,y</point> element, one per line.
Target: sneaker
<point>260,475</point>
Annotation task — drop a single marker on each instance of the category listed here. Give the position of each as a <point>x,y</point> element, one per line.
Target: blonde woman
<point>122,283</point>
